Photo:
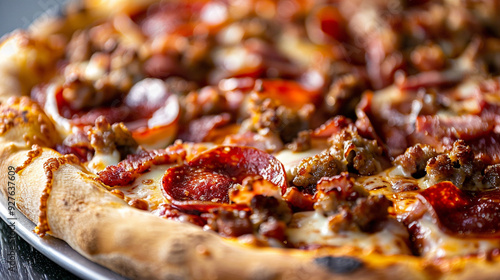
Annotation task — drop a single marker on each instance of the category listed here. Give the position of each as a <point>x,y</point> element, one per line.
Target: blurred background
<point>20,13</point>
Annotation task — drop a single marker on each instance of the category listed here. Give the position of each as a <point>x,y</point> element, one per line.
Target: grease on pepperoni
<point>468,214</point>
<point>208,177</point>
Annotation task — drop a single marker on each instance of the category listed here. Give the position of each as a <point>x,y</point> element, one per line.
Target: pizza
<point>258,139</point>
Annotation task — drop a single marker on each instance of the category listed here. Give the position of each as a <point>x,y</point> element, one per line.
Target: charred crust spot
<point>177,253</point>
<point>24,112</point>
<point>339,265</point>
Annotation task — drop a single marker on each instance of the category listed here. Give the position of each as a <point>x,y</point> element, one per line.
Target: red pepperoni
<point>126,171</point>
<point>209,176</point>
<point>467,214</point>
<point>112,115</point>
<point>199,129</point>
<point>146,97</point>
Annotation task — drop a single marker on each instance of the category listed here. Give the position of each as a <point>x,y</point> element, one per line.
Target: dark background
<point>29,263</point>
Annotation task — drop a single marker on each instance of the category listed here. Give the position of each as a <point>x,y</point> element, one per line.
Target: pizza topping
<point>311,230</point>
<point>272,116</point>
<point>344,94</point>
<point>348,206</point>
<point>492,175</point>
<point>230,223</point>
<point>299,201</point>
<point>269,207</point>
<point>458,166</point>
<point>209,100</point>
<point>133,166</point>
<point>268,142</point>
<point>106,138</point>
<point>266,215</point>
<point>138,203</point>
<point>464,213</point>
<point>466,127</point>
<point>146,97</point>
<point>348,151</point>
<point>311,169</point>
<point>209,176</point>
<point>198,130</point>
<point>169,212</point>
<point>415,158</point>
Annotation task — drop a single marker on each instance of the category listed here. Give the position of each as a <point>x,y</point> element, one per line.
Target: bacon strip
<point>458,127</point>
<point>467,214</point>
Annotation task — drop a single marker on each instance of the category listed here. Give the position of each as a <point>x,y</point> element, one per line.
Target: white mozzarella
<point>100,161</point>
<point>437,244</point>
<point>312,228</point>
<point>148,187</point>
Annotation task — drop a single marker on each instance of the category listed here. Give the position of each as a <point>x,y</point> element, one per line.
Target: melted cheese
<point>148,187</point>
<point>312,228</point>
<point>437,244</point>
<point>63,126</point>
<point>291,159</point>
<point>100,161</point>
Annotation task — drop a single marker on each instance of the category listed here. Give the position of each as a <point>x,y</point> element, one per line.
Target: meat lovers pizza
<point>258,139</point>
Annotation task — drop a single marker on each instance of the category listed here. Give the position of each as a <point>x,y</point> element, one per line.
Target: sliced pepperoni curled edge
<point>204,182</point>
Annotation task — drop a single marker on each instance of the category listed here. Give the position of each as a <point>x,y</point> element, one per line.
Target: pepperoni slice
<point>467,214</point>
<point>209,176</point>
<point>198,130</point>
